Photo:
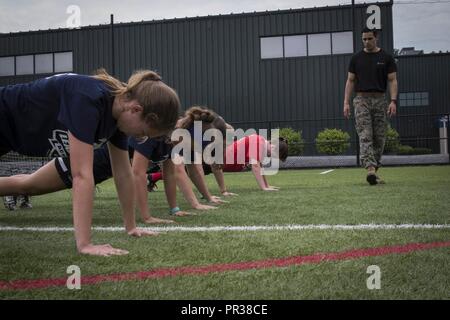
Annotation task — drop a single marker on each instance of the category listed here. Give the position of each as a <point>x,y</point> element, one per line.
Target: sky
<point>417,23</point>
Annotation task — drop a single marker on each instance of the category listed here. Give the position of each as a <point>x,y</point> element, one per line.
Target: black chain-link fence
<point>414,139</point>
<point>411,139</point>
<point>13,163</point>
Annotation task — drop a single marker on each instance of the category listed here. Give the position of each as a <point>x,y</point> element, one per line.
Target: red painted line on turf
<point>200,270</point>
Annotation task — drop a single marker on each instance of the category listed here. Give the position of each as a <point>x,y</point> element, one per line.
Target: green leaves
<point>332,141</point>
<point>295,141</point>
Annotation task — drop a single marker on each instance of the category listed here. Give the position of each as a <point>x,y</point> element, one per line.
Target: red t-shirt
<point>239,153</point>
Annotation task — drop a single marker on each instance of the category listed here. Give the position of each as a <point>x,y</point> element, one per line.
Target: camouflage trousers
<point>371,126</point>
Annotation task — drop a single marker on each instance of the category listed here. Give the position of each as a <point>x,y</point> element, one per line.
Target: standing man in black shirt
<point>369,73</point>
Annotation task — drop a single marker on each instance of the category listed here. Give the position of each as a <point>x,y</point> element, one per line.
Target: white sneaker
<point>10,202</point>
<point>24,202</point>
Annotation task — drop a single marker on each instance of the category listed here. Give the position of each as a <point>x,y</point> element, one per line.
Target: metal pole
<point>353,26</point>
<point>113,63</point>
<point>358,163</point>
<point>270,129</point>
<point>448,136</point>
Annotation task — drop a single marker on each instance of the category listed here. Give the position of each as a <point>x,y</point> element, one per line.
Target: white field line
<point>292,227</point>
<point>328,171</point>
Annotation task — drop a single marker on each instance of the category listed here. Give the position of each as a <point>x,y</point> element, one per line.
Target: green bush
<point>296,144</point>
<point>332,141</point>
<point>392,141</point>
<point>404,150</point>
<point>408,150</point>
<point>423,151</point>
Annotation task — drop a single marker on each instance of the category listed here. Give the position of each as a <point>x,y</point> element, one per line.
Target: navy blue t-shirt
<point>37,115</point>
<point>197,140</point>
<point>155,149</point>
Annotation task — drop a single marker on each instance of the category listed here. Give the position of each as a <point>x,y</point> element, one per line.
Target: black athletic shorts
<point>102,168</point>
<point>207,168</point>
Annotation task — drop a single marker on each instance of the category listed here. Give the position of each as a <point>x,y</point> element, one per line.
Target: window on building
<point>307,45</point>
<point>413,99</point>
<point>319,44</point>
<point>6,66</point>
<point>24,65</point>
<point>271,47</point>
<point>36,64</point>
<point>342,42</point>
<point>44,63</point>
<point>63,62</point>
<point>295,46</point>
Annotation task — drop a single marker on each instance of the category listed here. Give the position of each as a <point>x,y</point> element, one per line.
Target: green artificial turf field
<point>414,196</point>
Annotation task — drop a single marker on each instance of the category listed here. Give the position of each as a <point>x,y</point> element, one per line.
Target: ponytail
<point>283,149</point>
<point>197,113</point>
<point>116,86</point>
<point>160,102</point>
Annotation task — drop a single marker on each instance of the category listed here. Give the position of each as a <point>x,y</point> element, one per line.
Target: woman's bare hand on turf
<point>203,207</point>
<point>270,189</point>
<point>153,220</point>
<point>183,214</point>
<point>216,200</point>
<point>137,232</point>
<point>104,250</point>
<point>278,188</point>
<point>229,194</point>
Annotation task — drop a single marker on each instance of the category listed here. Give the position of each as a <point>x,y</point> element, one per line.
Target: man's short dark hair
<point>374,31</point>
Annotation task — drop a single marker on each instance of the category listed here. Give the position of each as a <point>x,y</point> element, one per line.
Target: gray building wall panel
<point>419,125</point>
<point>215,61</point>
<point>90,47</point>
<point>426,73</point>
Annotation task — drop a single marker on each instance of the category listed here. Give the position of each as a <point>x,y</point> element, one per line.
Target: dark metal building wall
<point>90,47</point>
<point>215,61</point>
<point>426,73</point>
<point>423,73</point>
